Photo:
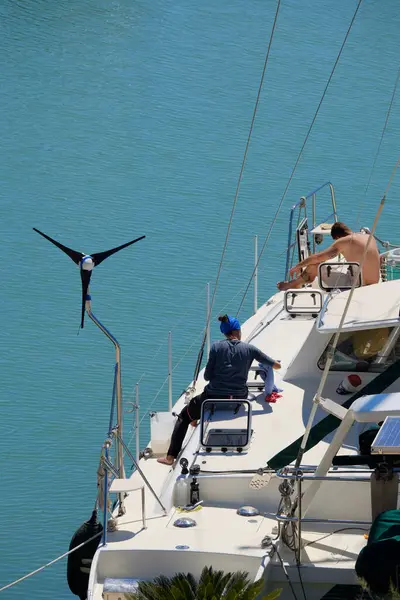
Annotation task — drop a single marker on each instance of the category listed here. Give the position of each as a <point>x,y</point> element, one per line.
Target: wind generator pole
<point>119,451</point>
<point>86,264</point>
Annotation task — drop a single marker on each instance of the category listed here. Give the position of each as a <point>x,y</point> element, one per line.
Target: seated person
<point>226,371</point>
<point>351,245</point>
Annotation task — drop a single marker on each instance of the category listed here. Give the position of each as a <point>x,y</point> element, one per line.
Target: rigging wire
<point>300,154</point>
<point>379,145</point>
<point>285,572</point>
<point>196,294</point>
<point>52,562</point>
<point>301,578</point>
<point>195,341</point>
<point>200,356</point>
<point>391,178</point>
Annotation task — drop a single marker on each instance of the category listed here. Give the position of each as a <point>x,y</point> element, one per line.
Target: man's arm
<point>209,370</point>
<point>316,259</point>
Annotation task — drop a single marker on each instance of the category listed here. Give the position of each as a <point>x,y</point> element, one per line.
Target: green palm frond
<point>212,585</point>
<point>273,595</point>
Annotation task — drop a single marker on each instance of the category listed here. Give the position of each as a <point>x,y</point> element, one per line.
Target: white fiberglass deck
<point>221,537</point>
<point>378,302</point>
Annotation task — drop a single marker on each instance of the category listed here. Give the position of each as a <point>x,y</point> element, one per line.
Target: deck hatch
<point>225,425</point>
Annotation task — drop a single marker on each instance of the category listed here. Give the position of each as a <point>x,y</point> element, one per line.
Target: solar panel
<point>388,439</point>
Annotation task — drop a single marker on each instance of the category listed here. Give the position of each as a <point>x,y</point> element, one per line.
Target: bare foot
<point>284,285</point>
<point>166,460</point>
<point>194,423</point>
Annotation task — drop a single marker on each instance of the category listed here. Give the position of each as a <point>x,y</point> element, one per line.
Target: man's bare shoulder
<point>364,239</point>
<point>349,240</point>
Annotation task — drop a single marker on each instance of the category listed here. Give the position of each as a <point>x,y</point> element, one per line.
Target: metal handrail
<point>387,252</point>
<point>284,518</point>
<point>106,455</point>
<point>138,469</point>
<point>119,457</point>
<point>88,305</point>
<point>313,468</point>
<point>110,423</point>
<point>297,474</point>
<point>302,204</point>
<point>324,478</point>
<point>109,468</point>
<point>143,503</point>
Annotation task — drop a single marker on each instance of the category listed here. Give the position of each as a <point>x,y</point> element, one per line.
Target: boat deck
<point>229,542</point>
<point>222,537</point>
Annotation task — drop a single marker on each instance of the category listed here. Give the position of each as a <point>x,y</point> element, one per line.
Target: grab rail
<point>112,477</point>
<point>285,519</point>
<point>303,204</point>
<point>296,474</point>
<point>323,477</point>
<point>138,469</point>
<point>117,391</point>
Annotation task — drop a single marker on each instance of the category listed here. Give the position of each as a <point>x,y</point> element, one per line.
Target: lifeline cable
<point>52,562</point>
<point>299,156</point>
<point>150,408</point>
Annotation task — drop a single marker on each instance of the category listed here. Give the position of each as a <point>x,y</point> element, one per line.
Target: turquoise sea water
<point>125,118</point>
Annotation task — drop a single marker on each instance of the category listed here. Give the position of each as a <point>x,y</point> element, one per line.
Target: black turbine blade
<point>76,256</point>
<point>100,256</point>
<point>85,276</point>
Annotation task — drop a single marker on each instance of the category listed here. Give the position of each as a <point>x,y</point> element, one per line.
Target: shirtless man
<point>351,245</point>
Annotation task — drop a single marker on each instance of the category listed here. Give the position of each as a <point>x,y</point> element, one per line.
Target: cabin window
<point>370,350</point>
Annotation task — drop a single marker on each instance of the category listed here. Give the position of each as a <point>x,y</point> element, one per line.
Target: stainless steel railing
<point>302,206</point>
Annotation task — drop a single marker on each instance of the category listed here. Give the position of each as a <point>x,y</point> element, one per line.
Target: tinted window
<point>371,350</point>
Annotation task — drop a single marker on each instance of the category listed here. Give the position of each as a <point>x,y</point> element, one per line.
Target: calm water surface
<point>124,118</point>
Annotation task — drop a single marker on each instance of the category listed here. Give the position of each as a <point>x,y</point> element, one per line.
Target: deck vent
<point>185,522</point>
<point>248,511</point>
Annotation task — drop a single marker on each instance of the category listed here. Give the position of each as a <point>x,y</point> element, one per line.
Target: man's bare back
<point>353,246</point>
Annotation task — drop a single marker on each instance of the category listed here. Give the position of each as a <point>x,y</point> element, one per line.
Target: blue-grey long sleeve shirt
<point>229,364</point>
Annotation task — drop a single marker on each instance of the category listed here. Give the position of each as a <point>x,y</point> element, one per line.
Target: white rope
<point>52,562</point>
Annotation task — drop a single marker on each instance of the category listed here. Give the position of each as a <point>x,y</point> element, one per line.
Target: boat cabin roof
<point>371,307</point>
